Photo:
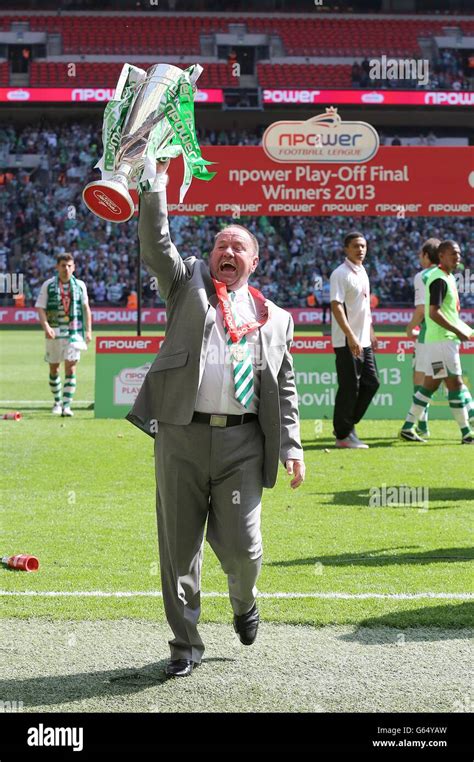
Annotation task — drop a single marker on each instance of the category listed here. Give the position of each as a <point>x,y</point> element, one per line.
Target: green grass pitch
<point>79,494</point>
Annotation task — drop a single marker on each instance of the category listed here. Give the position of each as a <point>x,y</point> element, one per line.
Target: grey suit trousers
<point>208,473</point>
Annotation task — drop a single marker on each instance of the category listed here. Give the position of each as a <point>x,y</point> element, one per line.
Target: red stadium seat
<point>177,34</point>
<point>304,75</point>
<point>4,74</point>
<point>103,74</point>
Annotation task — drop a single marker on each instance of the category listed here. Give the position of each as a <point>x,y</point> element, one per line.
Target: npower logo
<point>123,344</point>
<point>106,201</point>
<point>373,97</point>
<point>322,138</point>
<point>18,95</point>
<point>449,99</point>
<point>92,94</point>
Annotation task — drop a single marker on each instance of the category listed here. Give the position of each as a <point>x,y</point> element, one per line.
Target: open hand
<point>464,335</point>
<point>354,346</point>
<point>297,469</point>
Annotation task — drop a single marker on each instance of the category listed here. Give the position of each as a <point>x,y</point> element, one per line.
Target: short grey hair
<point>240,227</point>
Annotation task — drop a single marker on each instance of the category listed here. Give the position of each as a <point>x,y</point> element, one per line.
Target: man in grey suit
<point>220,400</point>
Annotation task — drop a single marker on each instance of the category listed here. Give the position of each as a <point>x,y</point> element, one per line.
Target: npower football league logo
<point>324,138</point>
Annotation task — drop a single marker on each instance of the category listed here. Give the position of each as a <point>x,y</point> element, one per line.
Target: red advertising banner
<point>128,344</point>
<point>415,181</point>
<point>19,95</point>
<point>301,96</point>
<point>301,345</point>
<point>157,316</point>
<point>270,97</point>
<point>390,345</point>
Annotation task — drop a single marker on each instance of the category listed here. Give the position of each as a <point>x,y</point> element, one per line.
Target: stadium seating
<point>136,34</point>
<point>181,34</point>
<point>355,37</point>
<point>304,75</point>
<point>101,74</point>
<point>4,74</point>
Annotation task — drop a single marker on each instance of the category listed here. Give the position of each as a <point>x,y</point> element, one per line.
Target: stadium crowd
<point>42,215</point>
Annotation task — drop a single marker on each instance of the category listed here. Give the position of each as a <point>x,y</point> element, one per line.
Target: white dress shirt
<point>216,393</point>
<point>350,286</point>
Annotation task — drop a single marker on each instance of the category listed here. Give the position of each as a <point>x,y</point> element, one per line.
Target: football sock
<point>459,411</point>
<point>69,389</point>
<point>468,401</point>
<point>421,400</point>
<point>55,386</point>
<point>423,421</point>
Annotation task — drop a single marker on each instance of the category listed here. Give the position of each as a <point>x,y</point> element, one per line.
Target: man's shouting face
<point>234,257</point>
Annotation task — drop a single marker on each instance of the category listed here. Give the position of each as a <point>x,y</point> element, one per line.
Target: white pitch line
<point>40,402</point>
<point>158,594</point>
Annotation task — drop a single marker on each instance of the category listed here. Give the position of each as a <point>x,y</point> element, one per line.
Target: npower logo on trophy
<point>106,201</point>
<point>323,139</point>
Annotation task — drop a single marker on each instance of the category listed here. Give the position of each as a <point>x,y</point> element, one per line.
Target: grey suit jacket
<point>170,388</point>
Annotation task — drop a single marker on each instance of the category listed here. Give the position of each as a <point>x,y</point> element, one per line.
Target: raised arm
<point>156,248</point>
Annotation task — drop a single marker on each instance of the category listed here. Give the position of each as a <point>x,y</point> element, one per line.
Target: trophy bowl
<point>109,198</point>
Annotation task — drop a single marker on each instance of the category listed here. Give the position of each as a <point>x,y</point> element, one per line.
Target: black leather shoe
<point>246,625</point>
<point>180,667</point>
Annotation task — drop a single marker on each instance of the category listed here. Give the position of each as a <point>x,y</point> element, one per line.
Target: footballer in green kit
<point>429,260</point>
<point>444,332</point>
<point>66,318</point>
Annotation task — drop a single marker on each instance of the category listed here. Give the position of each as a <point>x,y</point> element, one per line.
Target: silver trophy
<point>109,198</point>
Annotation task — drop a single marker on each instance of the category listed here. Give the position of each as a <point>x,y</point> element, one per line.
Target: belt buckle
<point>218,420</point>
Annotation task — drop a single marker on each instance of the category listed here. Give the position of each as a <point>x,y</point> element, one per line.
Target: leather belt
<point>224,420</point>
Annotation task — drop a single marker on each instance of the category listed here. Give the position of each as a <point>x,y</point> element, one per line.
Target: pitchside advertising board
<point>122,364</point>
<point>302,316</point>
<point>270,97</point>
<point>19,95</point>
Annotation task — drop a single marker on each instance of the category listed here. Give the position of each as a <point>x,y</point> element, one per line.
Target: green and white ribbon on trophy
<point>115,114</point>
<point>179,113</point>
<point>151,118</point>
